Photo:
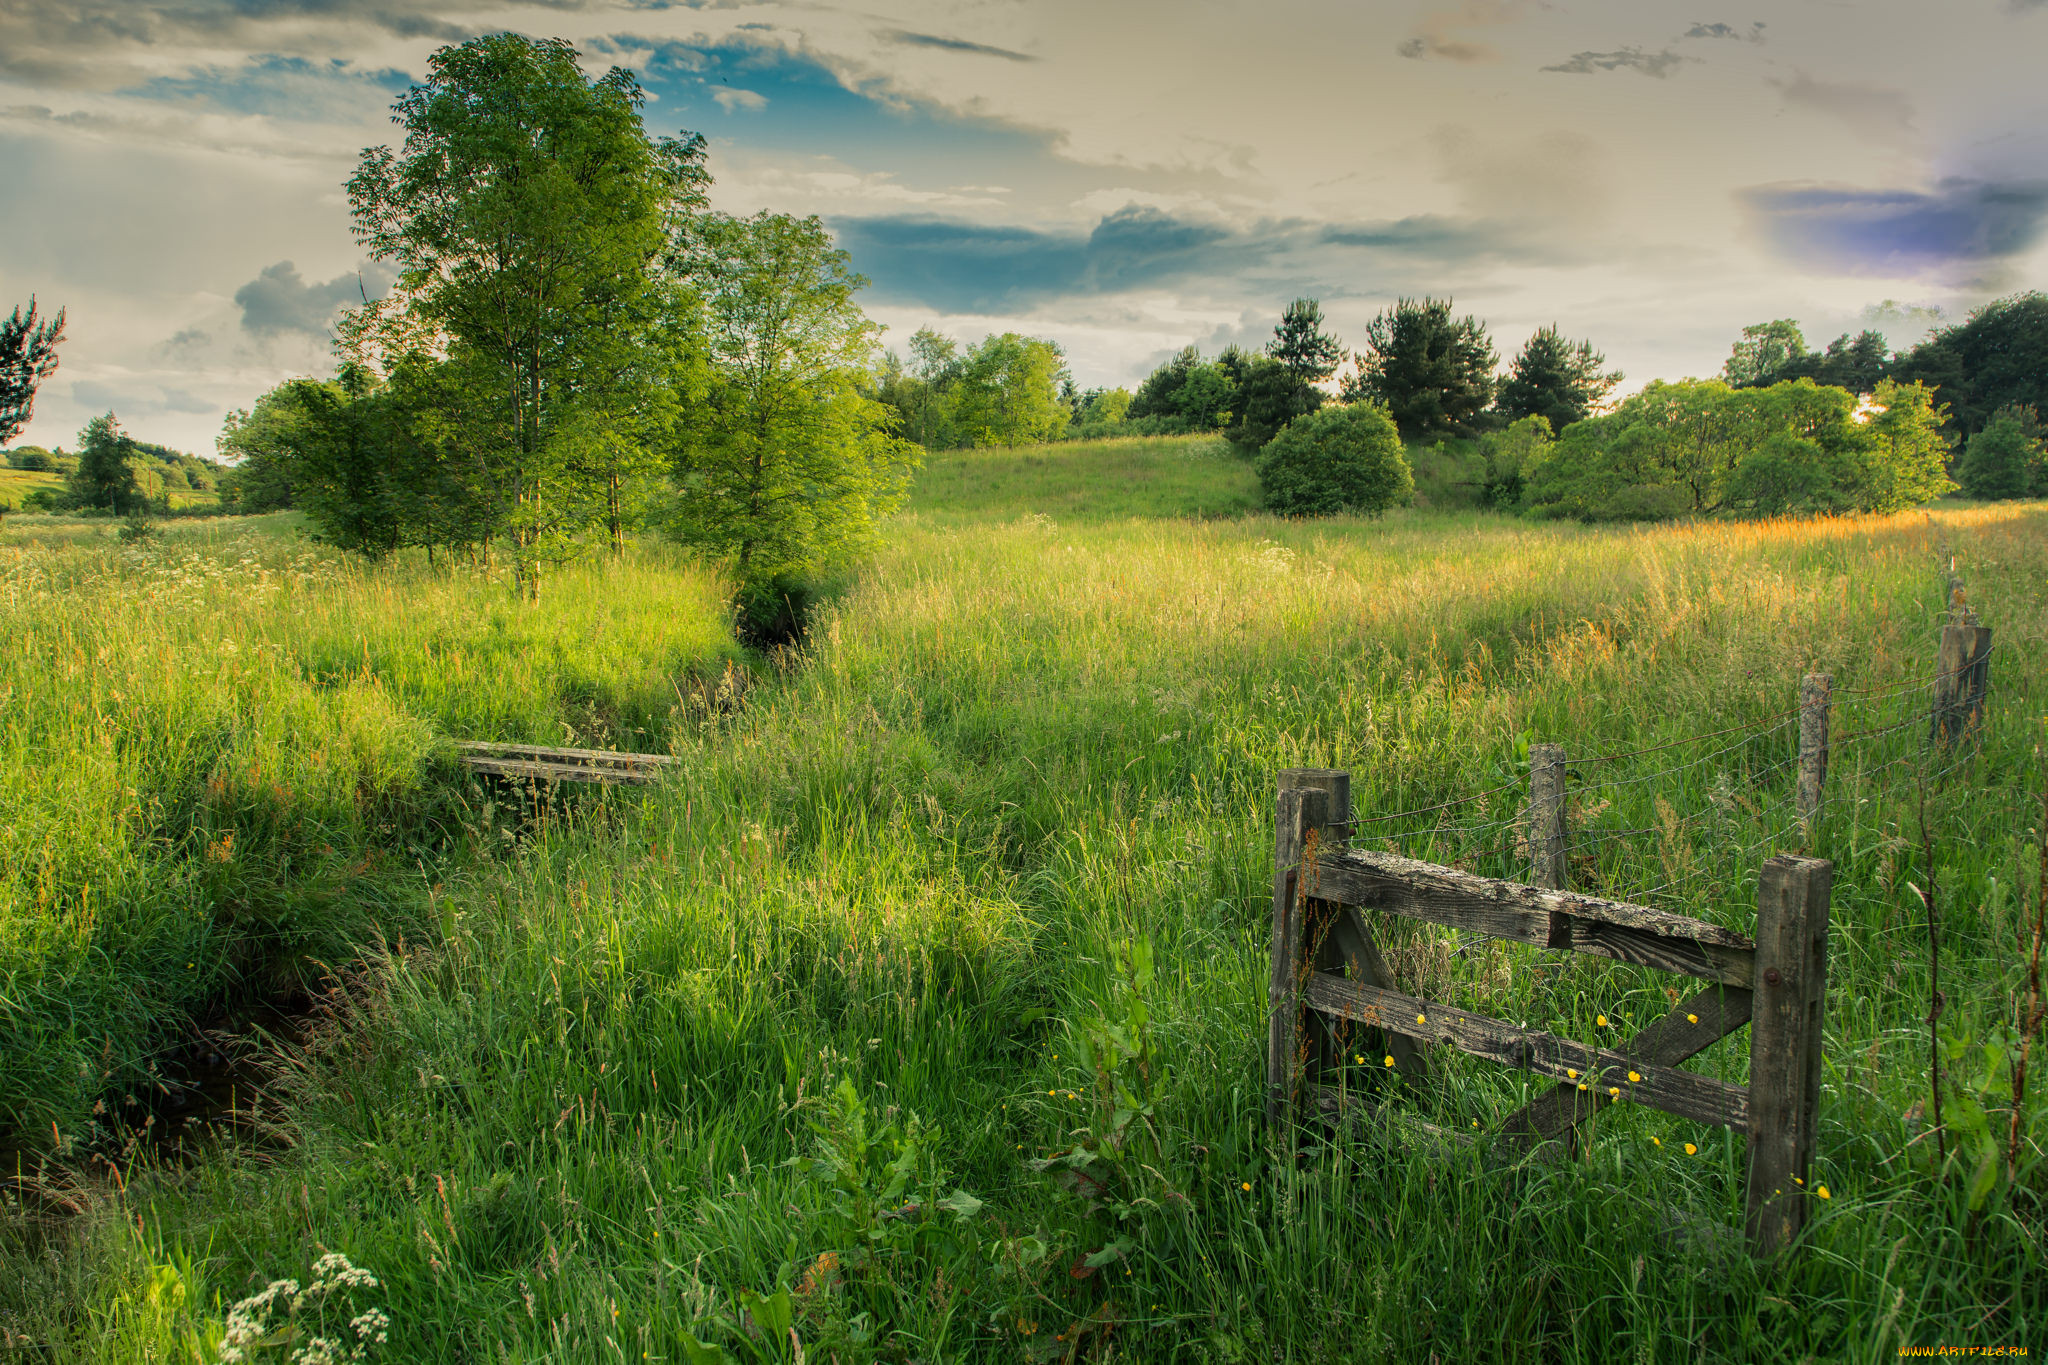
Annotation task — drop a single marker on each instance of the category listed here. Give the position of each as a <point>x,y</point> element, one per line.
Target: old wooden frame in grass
<point>1327,968</point>
<point>539,763</point>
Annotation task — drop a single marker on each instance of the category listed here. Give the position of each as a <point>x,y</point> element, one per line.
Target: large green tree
<point>105,478</point>
<point>786,463</point>
<point>525,211</point>
<point>1346,458</point>
<point>1008,391</point>
<point>1765,354</point>
<point>28,356</point>
<point>1433,373</point>
<point>1556,379</point>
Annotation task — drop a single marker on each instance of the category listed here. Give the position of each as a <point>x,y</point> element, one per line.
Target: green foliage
<point>1510,455</point>
<point>1301,345</point>
<point>1702,447</point>
<point>1347,458</point>
<point>2004,458</point>
<point>1997,357</point>
<point>28,356</point>
<point>1007,391</point>
<point>1558,380</point>
<point>31,457</point>
<point>1130,1169</point>
<point>1767,350</point>
<point>105,479</point>
<point>786,464</point>
<point>1267,398</point>
<point>1432,373</point>
<point>526,210</point>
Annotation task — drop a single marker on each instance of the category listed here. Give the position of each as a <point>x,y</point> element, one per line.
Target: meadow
<point>770,1057</point>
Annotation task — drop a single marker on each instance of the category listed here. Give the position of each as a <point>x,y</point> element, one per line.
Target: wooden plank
<point>556,772</point>
<point>1690,1029</point>
<point>1676,1092</point>
<point>1784,1046</point>
<point>541,752</point>
<point>1523,914</point>
<point>1295,812</point>
<point>1317,1048</point>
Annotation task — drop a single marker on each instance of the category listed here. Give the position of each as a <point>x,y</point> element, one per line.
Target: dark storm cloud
<point>279,301</point>
<point>1852,232</point>
<point>969,267</point>
<point>1658,64</point>
<point>905,38</point>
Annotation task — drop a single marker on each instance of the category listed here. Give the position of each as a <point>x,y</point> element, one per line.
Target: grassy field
<point>768,1055</point>
<point>1133,476</point>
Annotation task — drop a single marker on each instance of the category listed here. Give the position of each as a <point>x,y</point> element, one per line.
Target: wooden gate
<point>1327,968</point>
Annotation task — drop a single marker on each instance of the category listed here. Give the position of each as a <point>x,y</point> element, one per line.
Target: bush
<point>1341,459</point>
<point>31,457</point>
<point>2002,460</point>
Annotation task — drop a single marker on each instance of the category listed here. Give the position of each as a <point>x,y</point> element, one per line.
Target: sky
<point>1125,178</point>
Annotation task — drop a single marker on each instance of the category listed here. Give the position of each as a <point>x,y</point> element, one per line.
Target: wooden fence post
<point>1816,690</point>
<point>1304,804</point>
<point>1785,1045</point>
<point>1962,678</point>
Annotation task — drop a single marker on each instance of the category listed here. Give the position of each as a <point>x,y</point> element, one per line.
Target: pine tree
<point>1557,379</point>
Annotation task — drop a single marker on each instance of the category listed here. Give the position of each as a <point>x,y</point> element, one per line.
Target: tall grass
<point>560,1126</point>
<point>223,767</point>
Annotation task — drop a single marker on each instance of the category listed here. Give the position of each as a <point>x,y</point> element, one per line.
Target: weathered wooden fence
<point>1328,974</point>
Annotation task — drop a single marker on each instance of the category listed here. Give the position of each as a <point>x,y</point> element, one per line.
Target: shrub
<point>1341,459</point>
<point>2002,459</point>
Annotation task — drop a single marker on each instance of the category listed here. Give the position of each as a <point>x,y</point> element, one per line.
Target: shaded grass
<point>558,1128</point>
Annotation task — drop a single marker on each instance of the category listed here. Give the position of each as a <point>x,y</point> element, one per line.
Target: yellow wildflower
<point>1633,1078</point>
<point>1246,1186</point>
<point>1692,1018</point>
<point>1601,1020</point>
<point>1822,1191</point>
<point>1390,1059</point>
<point>1691,1150</point>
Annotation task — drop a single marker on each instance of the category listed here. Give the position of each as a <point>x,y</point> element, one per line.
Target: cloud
<point>732,99</point>
<point>279,301</point>
<point>134,401</point>
<point>961,267</point>
<point>1436,35</point>
<point>906,38</point>
<point>1753,34</point>
<point>1874,113</point>
<point>1967,223</point>
<point>1658,64</point>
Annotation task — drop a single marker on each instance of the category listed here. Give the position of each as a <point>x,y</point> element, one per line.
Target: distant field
<point>16,484</point>
<point>1134,476</point>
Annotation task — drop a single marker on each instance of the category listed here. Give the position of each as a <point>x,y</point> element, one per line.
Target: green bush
<point>2003,460</point>
<point>1341,459</point>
